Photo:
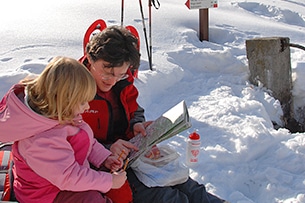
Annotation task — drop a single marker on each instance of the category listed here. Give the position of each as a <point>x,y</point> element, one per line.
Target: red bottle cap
<point>194,136</point>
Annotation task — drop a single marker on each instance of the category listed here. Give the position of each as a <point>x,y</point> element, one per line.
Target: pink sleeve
<point>57,164</point>
<point>98,154</point>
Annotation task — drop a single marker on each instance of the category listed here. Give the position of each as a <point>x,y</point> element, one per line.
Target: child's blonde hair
<point>60,88</point>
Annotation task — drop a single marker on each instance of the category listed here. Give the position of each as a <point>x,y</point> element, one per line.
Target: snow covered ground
<point>243,158</point>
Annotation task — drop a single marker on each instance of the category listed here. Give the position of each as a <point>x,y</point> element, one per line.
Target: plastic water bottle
<point>193,149</point>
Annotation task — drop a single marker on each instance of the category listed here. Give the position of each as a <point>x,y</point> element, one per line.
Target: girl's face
<point>106,77</point>
<point>81,108</point>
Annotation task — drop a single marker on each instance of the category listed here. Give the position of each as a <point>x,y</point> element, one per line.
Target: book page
<point>172,122</point>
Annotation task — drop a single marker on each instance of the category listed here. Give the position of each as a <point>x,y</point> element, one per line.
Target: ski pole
<point>122,13</point>
<point>150,40</point>
<point>145,35</point>
<point>157,6</point>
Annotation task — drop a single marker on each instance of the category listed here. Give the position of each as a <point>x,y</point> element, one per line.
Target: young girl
<point>53,154</point>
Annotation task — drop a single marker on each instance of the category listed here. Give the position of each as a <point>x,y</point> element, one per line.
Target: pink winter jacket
<point>49,157</point>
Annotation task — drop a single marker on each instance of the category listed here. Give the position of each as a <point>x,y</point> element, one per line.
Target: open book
<point>172,122</point>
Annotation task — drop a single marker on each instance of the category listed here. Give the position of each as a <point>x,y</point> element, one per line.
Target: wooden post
<point>204,24</point>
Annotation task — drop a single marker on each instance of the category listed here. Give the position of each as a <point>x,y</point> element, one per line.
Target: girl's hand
<point>122,148</point>
<point>118,179</point>
<point>140,128</point>
<point>113,162</point>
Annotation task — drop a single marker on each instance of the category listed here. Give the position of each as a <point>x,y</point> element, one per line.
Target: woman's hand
<point>140,127</point>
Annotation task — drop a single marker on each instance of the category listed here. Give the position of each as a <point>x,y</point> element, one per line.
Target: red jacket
<point>100,119</point>
<point>99,116</point>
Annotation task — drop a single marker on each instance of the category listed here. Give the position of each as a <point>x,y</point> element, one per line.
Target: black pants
<point>188,192</point>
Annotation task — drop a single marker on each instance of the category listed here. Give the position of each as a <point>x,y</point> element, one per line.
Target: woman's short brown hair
<point>115,45</point>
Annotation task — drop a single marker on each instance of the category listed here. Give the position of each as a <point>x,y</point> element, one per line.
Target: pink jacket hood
<point>17,121</point>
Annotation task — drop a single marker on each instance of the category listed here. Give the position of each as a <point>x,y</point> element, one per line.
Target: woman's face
<point>106,77</point>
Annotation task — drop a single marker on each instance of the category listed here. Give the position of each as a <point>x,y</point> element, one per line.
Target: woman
<point>115,116</point>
